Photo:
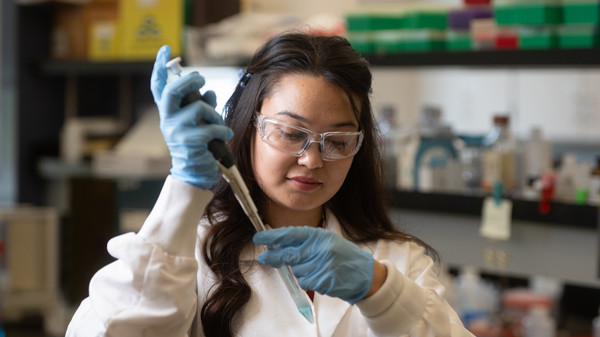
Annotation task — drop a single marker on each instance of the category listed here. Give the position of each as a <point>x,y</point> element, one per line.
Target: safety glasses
<point>295,140</point>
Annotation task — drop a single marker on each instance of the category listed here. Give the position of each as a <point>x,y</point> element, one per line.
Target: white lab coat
<point>159,282</point>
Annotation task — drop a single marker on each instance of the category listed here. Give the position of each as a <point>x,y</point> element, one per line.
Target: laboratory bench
<point>562,245</point>
<point>561,213</point>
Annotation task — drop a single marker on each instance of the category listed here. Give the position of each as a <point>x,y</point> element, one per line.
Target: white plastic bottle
<point>596,325</point>
<point>565,180</point>
<point>388,129</point>
<point>539,323</point>
<point>476,299</point>
<point>537,155</point>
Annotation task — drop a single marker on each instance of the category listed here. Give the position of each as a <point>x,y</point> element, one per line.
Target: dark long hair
<point>359,205</point>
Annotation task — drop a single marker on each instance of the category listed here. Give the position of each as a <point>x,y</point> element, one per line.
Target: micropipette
<point>225,160</point>
<point>233,177</point>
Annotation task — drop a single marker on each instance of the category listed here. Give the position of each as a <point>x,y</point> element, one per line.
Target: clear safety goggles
<point>295,140</point>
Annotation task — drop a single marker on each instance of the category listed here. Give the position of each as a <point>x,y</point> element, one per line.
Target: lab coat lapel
<point>271,311</point>
<point>330,310</point>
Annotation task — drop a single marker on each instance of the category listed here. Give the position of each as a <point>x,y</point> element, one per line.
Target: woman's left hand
<point>320,259</point>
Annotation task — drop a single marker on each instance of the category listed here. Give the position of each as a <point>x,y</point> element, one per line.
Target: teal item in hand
<point>320,259</point>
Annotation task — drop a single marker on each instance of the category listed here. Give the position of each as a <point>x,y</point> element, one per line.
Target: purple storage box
<point>460,19</point>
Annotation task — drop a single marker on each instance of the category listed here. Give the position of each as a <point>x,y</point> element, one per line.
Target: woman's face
<point>302,183</point>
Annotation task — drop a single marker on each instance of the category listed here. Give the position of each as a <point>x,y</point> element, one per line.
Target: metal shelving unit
<point>586,57</point>
<point>570,215</point>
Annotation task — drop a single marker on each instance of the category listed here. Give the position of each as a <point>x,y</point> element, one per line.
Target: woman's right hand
<point>187,130</point>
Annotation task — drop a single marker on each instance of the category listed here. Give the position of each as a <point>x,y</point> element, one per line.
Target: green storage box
<point>425,20</point>
<point>570,36</point>
<point>373,21</point>
<point>426,45</point>
<point>458,41</point>
<point>528,13</point>
<point>388,41</point>
<point>408,40</point>
<point>538,38</point>
<point>581,12</point>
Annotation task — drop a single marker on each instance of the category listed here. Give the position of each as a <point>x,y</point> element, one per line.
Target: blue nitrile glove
<point>187,130</point>
<point>320,259</point>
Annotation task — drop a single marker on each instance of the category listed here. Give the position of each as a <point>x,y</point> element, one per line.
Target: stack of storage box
<point>551,23</point>
<point>479,24</point>
<point>397,32</point>
<point>580,28</point>
<point>532,23</point>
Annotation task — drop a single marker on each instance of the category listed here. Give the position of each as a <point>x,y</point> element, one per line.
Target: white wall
<point>563,102</point>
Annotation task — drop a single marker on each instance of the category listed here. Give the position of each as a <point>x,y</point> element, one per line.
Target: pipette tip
<point>307,313</point>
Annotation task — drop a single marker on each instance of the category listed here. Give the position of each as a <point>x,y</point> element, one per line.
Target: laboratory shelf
<point>83,68</point>
<point>582,216</point>
<point>584,57</point>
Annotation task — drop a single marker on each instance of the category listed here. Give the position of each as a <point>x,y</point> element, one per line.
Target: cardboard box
<point>85,31</point>
<point>146,25</point>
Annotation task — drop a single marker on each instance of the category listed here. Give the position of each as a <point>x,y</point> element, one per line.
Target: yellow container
<point>146,25</point>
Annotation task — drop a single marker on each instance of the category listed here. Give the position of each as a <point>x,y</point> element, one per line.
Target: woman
<point>304,141</point>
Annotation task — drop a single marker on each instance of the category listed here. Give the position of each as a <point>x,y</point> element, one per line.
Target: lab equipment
<point>225,162</point>
<point>425,152</point>
<point>322,260</point>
